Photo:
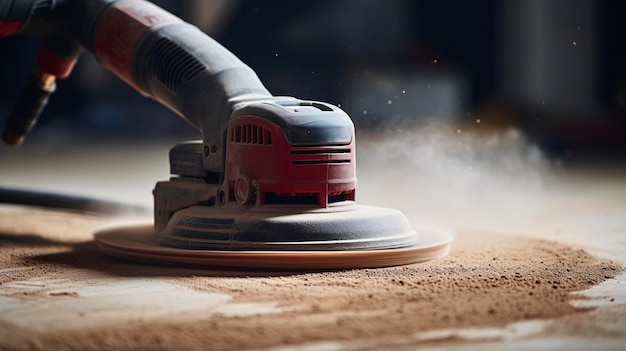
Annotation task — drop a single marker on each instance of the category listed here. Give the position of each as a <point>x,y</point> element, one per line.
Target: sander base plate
<point>137,242</point>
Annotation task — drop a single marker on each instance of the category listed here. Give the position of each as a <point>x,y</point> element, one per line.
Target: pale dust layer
<point>487,280</point>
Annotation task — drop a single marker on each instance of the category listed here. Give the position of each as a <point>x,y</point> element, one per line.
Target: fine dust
<point>452,176</point>
<point>486,281</point>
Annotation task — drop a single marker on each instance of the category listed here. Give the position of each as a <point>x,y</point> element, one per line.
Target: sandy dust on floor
<point>487,281</point>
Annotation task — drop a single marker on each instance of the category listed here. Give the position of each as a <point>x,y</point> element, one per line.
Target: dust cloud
<point>441,174</point>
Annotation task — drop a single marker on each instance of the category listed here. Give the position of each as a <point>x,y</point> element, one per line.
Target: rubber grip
<point>31,102</point>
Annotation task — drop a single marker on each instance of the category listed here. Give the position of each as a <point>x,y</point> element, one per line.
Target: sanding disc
<point>139,243</point>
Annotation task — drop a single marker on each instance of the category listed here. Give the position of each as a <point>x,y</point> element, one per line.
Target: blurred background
<point>555,70</point>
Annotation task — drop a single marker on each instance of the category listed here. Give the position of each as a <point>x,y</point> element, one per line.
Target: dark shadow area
<point>28,240</point>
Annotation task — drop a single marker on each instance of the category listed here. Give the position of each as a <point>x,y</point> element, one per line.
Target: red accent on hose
<point>50,63</point>
<point>9,28</point>
<point>120,31</point>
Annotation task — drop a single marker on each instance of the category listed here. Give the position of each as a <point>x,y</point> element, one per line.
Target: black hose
<point>69,202</point>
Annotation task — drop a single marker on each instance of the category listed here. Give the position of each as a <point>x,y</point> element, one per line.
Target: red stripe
<point>53,64</point>
<point>9,28</point>
<point>120,31</point>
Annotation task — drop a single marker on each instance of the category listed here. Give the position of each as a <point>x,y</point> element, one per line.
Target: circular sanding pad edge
<point>137,242</point>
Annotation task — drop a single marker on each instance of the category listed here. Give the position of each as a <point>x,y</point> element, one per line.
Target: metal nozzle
<point>31,102</point>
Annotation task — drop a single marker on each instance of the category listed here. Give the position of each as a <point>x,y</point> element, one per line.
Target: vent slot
<point>272,198</point>
<point>337,198</point>
<point>319,152</point>
<point>206,223</point>
<point>286,199</point>
<point>319,162</point>
<point>172,65</point>
<point>250,134</point>
<point>317,105</point>
<point>197,234</point>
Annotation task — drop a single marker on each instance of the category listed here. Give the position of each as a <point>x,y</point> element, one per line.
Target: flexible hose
<point>68,202</point>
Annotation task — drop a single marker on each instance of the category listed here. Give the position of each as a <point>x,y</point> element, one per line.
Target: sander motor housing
<point>280,151</point>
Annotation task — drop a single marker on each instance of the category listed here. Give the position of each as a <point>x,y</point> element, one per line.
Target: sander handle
<point>172,62</point>
<point>157,53</point>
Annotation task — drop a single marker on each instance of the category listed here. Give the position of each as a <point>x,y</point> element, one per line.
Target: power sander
<point>271,174</point>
